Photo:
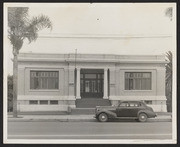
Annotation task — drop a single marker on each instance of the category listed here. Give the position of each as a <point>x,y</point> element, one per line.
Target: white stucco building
<point>56,82</point>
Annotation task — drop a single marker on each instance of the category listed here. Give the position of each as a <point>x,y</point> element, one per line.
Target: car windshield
<point>142,104</point>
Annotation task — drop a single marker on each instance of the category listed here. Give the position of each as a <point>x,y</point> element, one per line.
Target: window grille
<point>53,102</point>
<point>43,102</point>
<point>33,102</point>
<point>137,81</point>
<point>44,80</point>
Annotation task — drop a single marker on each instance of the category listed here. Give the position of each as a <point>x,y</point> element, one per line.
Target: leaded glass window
<point>44,80</point>
<point>137,81</point>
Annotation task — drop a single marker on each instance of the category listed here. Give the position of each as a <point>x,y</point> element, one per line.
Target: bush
<point>10,93</point>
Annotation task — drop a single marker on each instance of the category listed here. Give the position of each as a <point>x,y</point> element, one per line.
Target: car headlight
<point>97,109</point>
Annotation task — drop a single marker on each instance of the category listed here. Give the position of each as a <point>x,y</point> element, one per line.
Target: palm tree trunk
<point>15,83</point>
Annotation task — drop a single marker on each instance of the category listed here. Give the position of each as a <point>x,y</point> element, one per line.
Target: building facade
<point>54,82</point>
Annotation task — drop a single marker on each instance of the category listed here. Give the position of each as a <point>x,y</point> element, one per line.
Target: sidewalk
<point>74,118</point>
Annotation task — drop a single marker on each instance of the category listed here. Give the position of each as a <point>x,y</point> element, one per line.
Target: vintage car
<point>137,110</point>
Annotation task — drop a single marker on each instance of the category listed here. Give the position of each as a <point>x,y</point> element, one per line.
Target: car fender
<point>142,111</point>
<point>109,113</point>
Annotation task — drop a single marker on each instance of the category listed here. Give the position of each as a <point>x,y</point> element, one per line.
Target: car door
<point>133,109</point>
<point>122,109</point>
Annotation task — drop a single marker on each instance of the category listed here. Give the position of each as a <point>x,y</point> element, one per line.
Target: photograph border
<point>76,141</point>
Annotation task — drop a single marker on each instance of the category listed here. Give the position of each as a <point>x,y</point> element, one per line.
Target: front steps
<point>87,105</point>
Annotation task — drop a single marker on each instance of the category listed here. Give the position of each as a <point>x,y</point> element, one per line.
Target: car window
<point>124,104</point>
<point>142,104</point>
<point>133,104</point>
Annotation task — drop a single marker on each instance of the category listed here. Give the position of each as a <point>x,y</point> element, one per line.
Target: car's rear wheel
<point>103,117</point>
<point>142,117</point>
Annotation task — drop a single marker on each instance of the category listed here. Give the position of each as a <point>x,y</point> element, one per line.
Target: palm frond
<point>41,22</point>
<point>17,17</point>
<point>21,27</point>
<point>36,24</point>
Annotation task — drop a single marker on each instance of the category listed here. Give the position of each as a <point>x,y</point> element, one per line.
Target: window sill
<point>138,90</point>
<point>44,90</point>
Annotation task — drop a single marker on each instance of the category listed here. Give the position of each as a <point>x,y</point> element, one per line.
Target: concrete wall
<point>24,69</point>
<point>117,80</point>
<point>63,104</point>
<point>62,94</point>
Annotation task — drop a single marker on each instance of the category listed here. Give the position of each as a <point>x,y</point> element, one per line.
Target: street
<point>89,130</point>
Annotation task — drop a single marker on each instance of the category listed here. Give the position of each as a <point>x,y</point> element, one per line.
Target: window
<point>43,102</point>
<point>124,104</point>
<point>137,81</point>
<point>44,80</point>
<point>54,102</point>
<point>148,102</point>
<point>90,76</point>
<point>133,104</point>
<point>142,104</point>
<point>33,102</point>
<point>82,86</point>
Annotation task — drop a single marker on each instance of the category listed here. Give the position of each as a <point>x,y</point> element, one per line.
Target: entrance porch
<point>91,83</point>
<point>91,88</point>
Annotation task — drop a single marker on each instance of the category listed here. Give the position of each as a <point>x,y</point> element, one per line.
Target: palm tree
<point>169,80</point>
<point>169,12</point>
<point>20,27</point>
<point>10,93</point>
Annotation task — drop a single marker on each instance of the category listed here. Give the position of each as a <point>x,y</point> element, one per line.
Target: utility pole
<point>75,57</point>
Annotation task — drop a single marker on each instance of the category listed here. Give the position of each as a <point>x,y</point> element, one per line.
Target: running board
<point>127,117</point>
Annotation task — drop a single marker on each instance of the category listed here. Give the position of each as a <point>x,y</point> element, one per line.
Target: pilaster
<point>78,84</point>
<point>105,84</point>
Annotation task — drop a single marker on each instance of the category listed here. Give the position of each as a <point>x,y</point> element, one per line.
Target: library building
<point>63,82</point>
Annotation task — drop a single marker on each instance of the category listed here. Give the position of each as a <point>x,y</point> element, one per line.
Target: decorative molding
<point>44,97</point>
<point>104,36</point>
<point>111,58</point>
<point>137,97</point>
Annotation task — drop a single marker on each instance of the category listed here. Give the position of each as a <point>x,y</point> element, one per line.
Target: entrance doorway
<point>92,83</point>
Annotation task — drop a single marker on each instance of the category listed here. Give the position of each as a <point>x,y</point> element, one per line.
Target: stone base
<point>63,105</point>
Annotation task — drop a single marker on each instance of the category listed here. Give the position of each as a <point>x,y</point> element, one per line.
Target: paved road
<point>89,130</point>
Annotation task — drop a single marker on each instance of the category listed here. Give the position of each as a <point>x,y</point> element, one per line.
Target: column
<point>71,82</point>
<point>112,83</point>
<point>78,84</point>
<point>66,81</point>
<point>105,84</point>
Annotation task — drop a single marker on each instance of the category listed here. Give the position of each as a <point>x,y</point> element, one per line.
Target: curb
<point>160,120</point>
<point>79,120</point>
<point>52,120</point>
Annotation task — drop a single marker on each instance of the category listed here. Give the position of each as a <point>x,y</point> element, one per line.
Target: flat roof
<point>111,58</point>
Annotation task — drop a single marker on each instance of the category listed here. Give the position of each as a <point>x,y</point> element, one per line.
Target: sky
<point>119,28</point>
<point>124,19</point>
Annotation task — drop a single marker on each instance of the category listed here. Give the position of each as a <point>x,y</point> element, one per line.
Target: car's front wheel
<point>103,117</point>
<point>142,117</point>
